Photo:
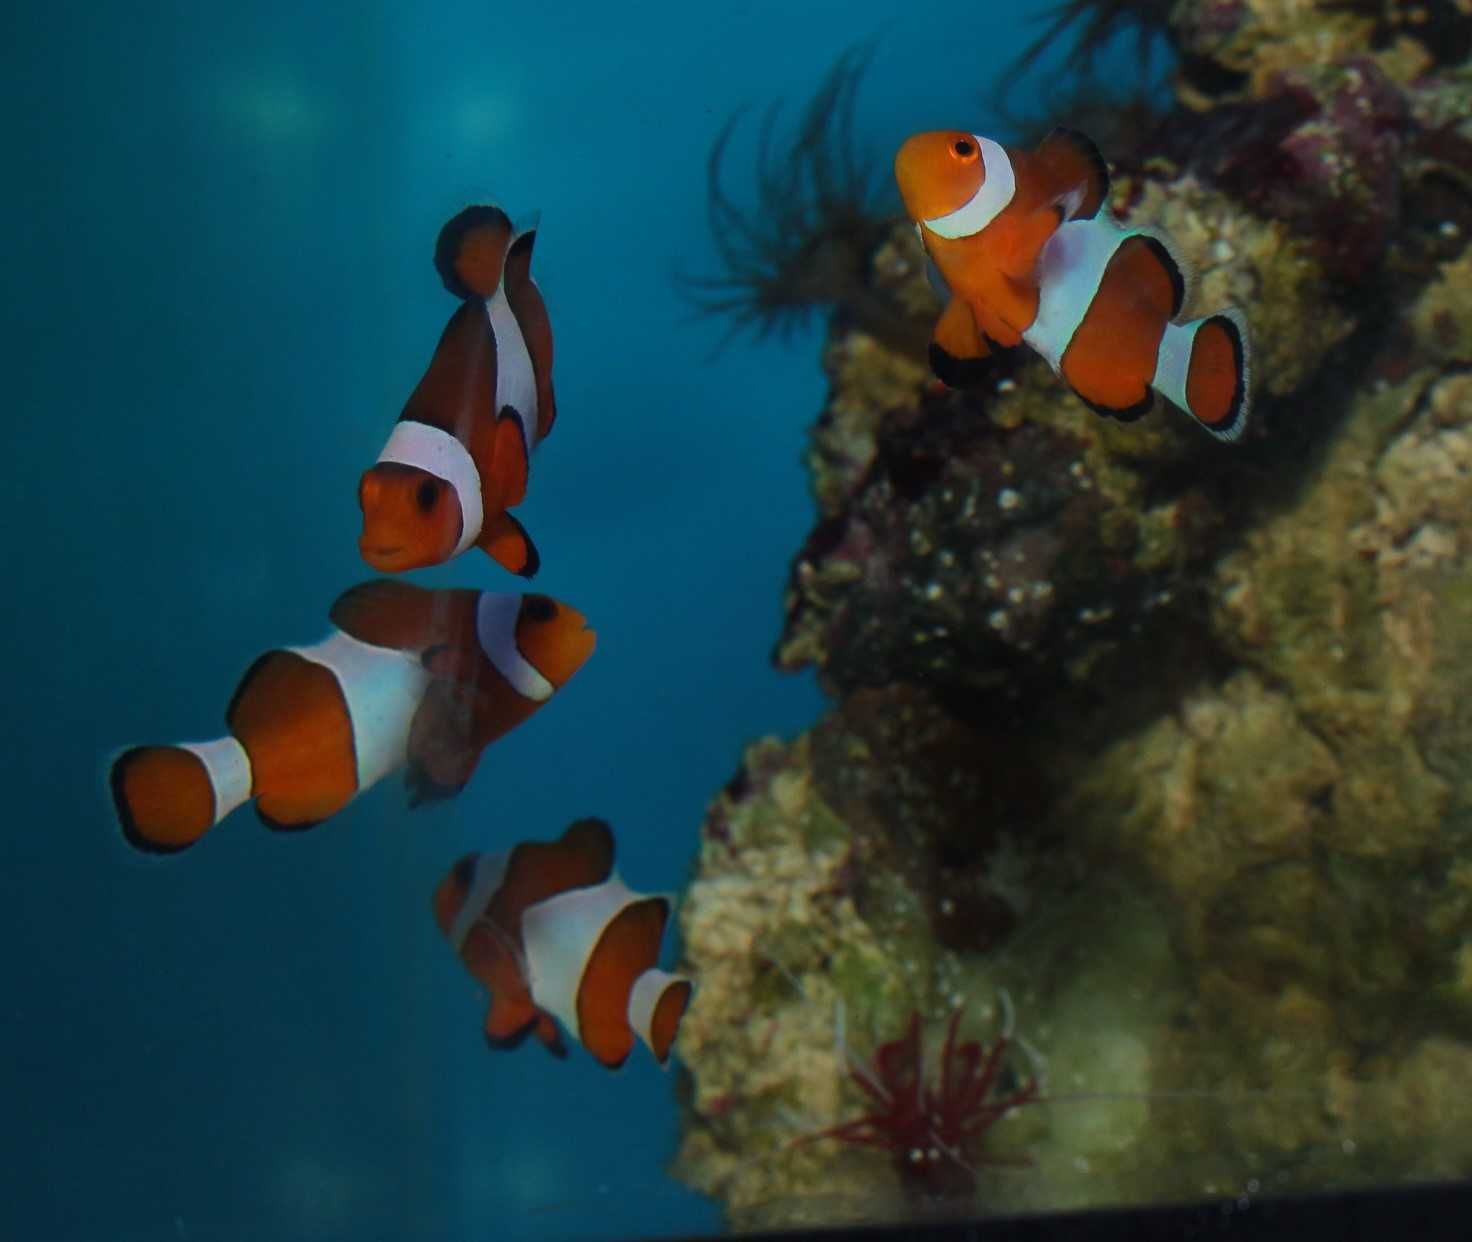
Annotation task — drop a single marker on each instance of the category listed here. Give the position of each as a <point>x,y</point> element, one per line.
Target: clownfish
<point>550,931</point>
<point>458,457</point>
<point>410,676</point>
<point>1030,253</point>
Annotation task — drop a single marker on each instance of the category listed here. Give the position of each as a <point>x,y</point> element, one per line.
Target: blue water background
<point>217,231</point>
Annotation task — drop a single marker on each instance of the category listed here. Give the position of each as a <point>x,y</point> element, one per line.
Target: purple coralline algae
<point>1145,753</point>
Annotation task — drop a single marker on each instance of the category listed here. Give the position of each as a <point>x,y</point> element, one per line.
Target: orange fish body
<point>460,454</point>
<point>411,677</point>
<point>1031,254</point>
<point>552,932</point>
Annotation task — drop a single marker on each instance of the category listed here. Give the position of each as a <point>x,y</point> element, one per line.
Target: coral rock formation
<point>1162,741</point>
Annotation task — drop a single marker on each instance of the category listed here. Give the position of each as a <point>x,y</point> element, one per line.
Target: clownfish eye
<point>964,148</point>
<point>538,608</point>
<point>428,493</point>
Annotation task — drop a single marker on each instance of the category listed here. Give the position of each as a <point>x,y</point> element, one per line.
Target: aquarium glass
<point>952,697</point>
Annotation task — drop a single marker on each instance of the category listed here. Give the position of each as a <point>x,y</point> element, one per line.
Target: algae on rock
<point>1163,742</point>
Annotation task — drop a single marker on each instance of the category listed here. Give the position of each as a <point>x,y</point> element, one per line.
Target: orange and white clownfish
<point>551,931</point>
<point>1029,252</point>
<point>409,676</point>
<point>458,457</point>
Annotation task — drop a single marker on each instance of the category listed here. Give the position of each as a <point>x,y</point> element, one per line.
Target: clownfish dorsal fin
<point>530,311</point>
<point>506,542</point>
<point>446,736</point>
<point>470,252</point>
<point>1076,172</point>
<point>537,870</point>
<point>385,612</point>
<point>505,483</point>
<point>518,266</point>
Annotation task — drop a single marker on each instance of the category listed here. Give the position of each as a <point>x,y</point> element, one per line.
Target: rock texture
<point>1151,750</point>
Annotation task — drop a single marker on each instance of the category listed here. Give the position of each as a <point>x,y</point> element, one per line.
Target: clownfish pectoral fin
<point>1072,163</point>
<point>451,662</point>
<point>506,542</point>
<point>508,1018</point>
<point>936,280</point>
<point>471,251</point>
<point>1203,367</point>
<point>550,1036</point>
<point>957,346</point>
<point>423,788</point>
<point>442,753</point>
<point>509,465</point>
<point>1018,242</point>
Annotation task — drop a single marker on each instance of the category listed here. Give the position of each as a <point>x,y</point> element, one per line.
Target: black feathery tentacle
<point>816,218</point>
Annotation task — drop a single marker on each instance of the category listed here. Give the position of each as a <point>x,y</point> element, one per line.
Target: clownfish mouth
<point>381,556</point>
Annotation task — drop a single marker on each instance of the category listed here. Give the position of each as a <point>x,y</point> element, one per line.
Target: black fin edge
<point>1126,414</point>
<point>1167,261</point>
<point>956,372</point>
<point>689,987</point>
<point>1086,147</point>
<point>1231,426</point>
<point>533,557</point>
<point>240,687</point>
<point>522,242</point>
<point>507,1043</point>
<point>126,821</point>
<point>275,825</point>
<point>422,789</point>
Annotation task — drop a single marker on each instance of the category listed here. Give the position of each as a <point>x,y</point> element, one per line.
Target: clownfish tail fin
<point>1074,162</point>
<point>1205,368</point>
<point>168,797</point>
<point>657,1002</point>
<point>470,252</point>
